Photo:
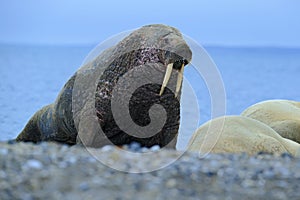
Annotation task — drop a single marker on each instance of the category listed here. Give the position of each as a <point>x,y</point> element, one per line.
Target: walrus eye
<point>166,78</point>
<point>179,80</point>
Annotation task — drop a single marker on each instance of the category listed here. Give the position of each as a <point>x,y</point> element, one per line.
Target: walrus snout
<point>178,55</point>
<point>177,65</point>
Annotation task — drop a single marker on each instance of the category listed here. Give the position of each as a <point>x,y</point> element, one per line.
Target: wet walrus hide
<point>157,47</point>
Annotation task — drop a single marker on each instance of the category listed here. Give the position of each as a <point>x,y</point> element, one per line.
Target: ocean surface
<point>32,76</point>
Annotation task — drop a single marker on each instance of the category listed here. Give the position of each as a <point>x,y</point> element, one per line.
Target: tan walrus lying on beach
<point>238,134</point>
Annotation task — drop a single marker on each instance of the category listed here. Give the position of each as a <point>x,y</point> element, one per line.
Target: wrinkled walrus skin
<point>156,46</point>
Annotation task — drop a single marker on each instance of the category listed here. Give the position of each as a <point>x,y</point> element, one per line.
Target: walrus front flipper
<point>32,132</point>
<point>53,122</point>
<point>43,126</point>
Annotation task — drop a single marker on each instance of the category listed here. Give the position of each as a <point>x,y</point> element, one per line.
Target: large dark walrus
<point>84,110</point>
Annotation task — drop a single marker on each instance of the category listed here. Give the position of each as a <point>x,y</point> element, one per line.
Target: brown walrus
<point>84,110</point>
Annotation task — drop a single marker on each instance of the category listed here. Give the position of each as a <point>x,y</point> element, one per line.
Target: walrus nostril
<point>177,64</point>
<point>185,62</point>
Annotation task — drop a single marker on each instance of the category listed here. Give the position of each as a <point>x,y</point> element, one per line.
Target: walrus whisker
<point>166,78</point>
<point>179,80</point>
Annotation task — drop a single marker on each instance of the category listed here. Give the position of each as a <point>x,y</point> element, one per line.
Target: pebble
<point>35,164</point>
<point>3,151</point>
<point>171,183</point>
<point>84,186</point>
<point>155,148</point>
<point>2,174</point>
<point>62,165</point>
<point>135,146</point>
<point>248,183</point>
<point>72,159</point>
<point>144,149</point>
<point>107,148</point>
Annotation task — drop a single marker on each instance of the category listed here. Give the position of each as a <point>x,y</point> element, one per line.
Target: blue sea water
<point>32,76</point>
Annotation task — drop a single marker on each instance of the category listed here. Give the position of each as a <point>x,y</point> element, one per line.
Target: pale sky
<point>214,22</point>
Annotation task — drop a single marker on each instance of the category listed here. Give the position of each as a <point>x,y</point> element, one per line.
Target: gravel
<point>54,171</point>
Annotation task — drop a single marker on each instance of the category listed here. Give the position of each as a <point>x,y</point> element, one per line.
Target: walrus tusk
<point>166,78</point>
<point>179,80</point>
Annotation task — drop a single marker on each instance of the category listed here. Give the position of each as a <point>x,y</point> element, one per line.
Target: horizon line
<point>206,45</point>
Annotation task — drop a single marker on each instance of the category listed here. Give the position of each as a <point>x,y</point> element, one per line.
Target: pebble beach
<point>54,171</point>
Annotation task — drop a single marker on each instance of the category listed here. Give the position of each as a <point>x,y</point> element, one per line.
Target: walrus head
<point>163,49</point>
<point>177,52</point>
<point>158,43</point>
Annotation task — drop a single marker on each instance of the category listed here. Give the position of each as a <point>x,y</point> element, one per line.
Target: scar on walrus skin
<point>158,46</point>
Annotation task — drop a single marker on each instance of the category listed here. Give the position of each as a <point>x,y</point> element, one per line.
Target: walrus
<point>238,134</point>
<point>281,115</point>
<point>152,51</point>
